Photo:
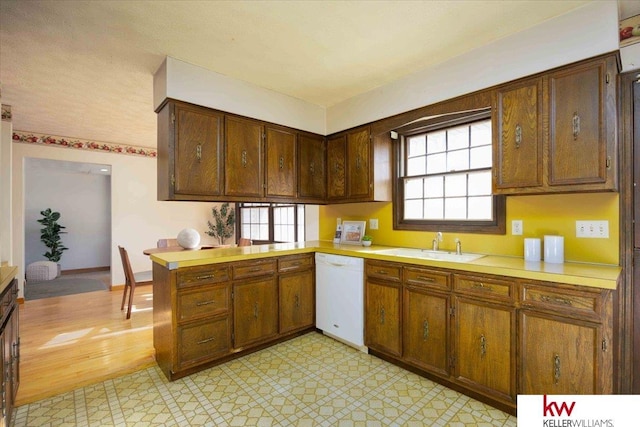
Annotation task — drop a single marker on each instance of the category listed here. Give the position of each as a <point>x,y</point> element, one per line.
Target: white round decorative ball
<point>189,238</point>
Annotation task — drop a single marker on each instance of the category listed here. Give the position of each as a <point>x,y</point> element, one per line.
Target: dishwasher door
<point>340,297</point>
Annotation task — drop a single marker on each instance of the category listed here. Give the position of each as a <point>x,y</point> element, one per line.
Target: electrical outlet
<point>516,227</point>
<point>592,229</point>
<point>339,221</point>
<point>373,223</point>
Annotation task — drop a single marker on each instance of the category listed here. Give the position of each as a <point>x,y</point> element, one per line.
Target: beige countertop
<point>7,273</point>
<point>585,274</point>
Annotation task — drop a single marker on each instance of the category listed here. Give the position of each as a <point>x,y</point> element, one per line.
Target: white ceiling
<point>84,69</point>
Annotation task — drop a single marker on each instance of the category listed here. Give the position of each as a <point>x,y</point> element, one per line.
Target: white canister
<point>554,249</point>
<point>531,249</point>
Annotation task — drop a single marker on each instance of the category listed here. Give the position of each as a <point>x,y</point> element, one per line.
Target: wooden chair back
<point>244,242</point>
<point>130,281</point>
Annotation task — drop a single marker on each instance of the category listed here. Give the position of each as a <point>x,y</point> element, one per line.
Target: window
<point>444,177</point>
<point>271,222</point>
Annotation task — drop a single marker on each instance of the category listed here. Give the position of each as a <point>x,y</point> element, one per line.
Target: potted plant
<point>224,223</point>
<point>367,240</point>
<point>50,235</point>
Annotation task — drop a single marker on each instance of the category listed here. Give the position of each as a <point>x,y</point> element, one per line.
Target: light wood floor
<point>76,340</point>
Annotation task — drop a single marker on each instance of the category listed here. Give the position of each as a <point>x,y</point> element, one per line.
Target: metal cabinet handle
<point>296,299</point>
<point>576,126</point>
<point>199,152</point>
<point>201,303</point>
<point>425,330</point>
<point>518,135</point>
<point>206,276</point>
<point>206,340</point>
<point>383,272</point>
<point>281,162</point>
<point>336,168</point>
<point>255,310</point>
<point>244,158</point>
<point>480,285</point>
<point>426,279</point>
<point>382,315</point>
<point>312,168</point>
<point>483,346</point>
<point>556,368</point>
<point>358,162</point>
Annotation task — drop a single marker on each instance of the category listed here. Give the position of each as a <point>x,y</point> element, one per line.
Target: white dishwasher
<point>340,298</point>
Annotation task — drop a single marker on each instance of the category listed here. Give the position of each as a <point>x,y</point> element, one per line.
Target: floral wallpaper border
<point>6,112</point>
<point>82,144</point>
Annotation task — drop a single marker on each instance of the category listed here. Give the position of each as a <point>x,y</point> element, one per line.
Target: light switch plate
<point>373,223</point>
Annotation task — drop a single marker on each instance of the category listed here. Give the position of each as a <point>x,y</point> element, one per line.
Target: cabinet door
<point>517,129</point>
<point>281,162</point>
<point>244,175</point>
<point>255,311</point>
<point>296,298</point>
<point>426,330</point>
<point>484,347</point>
<point>312,182</point>
<point>382,317</point>
<point>358,169</point>
<point>578,124</point>
<point>198,151</point>
<point>558,356</point>
<point>336,163</point>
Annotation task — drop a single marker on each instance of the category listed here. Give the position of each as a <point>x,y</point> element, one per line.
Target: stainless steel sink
<point>429,254</point>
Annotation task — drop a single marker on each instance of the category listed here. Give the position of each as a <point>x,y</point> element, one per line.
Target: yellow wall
<point>541,214</point>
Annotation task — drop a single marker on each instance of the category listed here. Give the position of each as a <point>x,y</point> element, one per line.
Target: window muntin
<point>271,222</point>
<point>448,173</point>
<point>444,175</point>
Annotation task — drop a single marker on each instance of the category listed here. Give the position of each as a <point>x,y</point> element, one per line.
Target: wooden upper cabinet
<point>312,183</point>
<point>336,167</point>
<point>556,132</point>
<point>244,173</point>
<point>281,162</point>
<point>359,163</point>
<point>190,140</point>
<point>518,134</point>
<point>359,166</point>
<point>582,125</point>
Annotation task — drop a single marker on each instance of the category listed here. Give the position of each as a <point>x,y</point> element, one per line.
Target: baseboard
<point>85,270</point>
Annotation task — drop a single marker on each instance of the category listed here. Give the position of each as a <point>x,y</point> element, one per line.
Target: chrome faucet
<point>458,247</point>
<point>435,245</point>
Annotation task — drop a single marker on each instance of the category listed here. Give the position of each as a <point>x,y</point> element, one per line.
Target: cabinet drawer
<point>426,278</point>
<point>292,263</point>
<point>196,276</point>
<point>484,286</point>
<point>387,271</point>
<point>561,301</point>
<point>202,341</point>
<point>253,269</point>
<point>203,302</point>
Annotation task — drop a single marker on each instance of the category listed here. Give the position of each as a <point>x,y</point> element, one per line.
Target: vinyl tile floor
<point>311,380</point>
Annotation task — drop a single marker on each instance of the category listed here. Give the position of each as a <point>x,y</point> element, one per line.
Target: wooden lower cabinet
<point>493,337</point>
<point>255,311</point>
<point>565,340</point>
<point>484,347</point>
<point>207,314</point>
<point>426,330</point>
<point>383,307</point>
<point>9,351</point>
<point>297,301</point>
<point>426,314</point>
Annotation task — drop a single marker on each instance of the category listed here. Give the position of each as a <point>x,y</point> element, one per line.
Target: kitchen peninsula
<point>500,322</point>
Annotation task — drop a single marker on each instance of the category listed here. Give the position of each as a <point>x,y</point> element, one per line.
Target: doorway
<point>81,193</point>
